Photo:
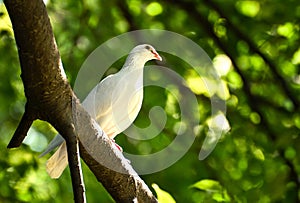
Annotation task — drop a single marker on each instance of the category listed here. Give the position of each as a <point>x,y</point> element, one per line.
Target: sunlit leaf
<point>222,64</point>
<point>286,30</point>
<point>296,57</point>
<point>163,196</point>
<point>248,8</point>
<point>154,9</point>
<point>223,91</point>
<point>5,23</point>
<point>258,153</point>
<point>208,185</point>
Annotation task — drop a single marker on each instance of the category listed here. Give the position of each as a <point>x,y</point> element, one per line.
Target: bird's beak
<point>157,56</point>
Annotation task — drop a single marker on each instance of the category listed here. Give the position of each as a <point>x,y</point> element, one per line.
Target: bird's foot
<point>116,145</point>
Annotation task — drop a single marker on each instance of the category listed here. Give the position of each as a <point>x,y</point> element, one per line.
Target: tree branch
<point>43,78</point>
<point>51,99</point>
<point>273,68</point>
<point>76,170</point>
<point>74,163</point>
<point>108,163</point>
<point>22,129</point>
<point>127,15</point>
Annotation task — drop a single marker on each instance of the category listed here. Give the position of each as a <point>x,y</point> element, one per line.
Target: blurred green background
<point>255,47</point>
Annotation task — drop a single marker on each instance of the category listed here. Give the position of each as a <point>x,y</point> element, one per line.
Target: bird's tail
<point>58,140</point>
<point>57,163</point>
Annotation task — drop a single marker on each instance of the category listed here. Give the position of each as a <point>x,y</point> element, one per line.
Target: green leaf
<point>208,185</point>
<point>163,196</point>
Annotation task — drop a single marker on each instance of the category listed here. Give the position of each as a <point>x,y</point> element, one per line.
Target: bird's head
<point>146,51</point>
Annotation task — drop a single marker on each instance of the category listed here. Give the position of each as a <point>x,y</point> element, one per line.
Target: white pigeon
<point>114,104</point>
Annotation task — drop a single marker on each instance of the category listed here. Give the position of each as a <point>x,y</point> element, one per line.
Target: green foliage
<point>213,189</point>
<point>255,48</point>
<point>162,196</point>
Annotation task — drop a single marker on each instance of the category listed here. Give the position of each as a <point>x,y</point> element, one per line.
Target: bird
<point>114,103</point>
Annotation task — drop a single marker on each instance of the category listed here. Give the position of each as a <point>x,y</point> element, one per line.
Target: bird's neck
<point>134,62</point>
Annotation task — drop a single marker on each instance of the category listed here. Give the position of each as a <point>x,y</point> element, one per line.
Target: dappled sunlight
<point>248,8</point>
<point>248,148</point>
<point>154,9</point>
<point>222,64</point>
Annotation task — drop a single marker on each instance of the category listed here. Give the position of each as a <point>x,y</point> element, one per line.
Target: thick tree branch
<point>108,163</point>
<point>51,98</point>
<point>43,78</point>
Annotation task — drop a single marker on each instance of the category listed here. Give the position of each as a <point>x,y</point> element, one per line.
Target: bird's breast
<point>125,103</point>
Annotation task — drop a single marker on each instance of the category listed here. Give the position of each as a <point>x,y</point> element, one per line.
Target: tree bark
<point>50,98</point>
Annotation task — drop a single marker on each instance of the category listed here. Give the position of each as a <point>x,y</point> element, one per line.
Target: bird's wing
<point>98,101</point>
<point>89,105</point>
<point>125,102</point>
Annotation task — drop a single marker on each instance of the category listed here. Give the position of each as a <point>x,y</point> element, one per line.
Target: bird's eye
<point>148,48</point>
